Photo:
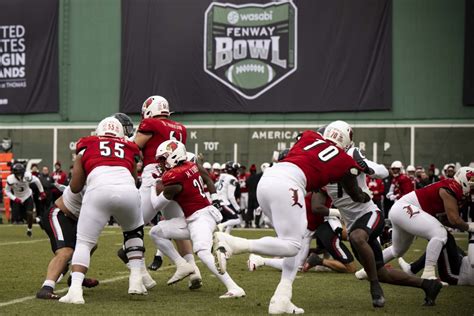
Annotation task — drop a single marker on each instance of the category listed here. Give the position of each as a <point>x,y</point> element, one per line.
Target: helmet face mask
<point>18,169</point>
<point>340,133</point>
<point>155,106</point>
<point>110,126</point>
<point>231,167</point>
<point>170,153</point>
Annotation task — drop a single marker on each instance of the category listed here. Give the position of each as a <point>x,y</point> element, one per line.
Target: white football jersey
<point>225,187</point>
<point>466,273</point>
<point>20,189</point>
<point>350,210</point>
<point>73,201</point>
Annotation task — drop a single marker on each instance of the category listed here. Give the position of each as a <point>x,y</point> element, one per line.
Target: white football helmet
<point>397,164</point>
<point>207,165</point>
<point>216,166</point>
<point>155,105</point>
<point>264,166</point>
<point>340,133</point>
<point>411,168</point>
<point>191,157</point>
<point>172,151</point>
<point>465,177</point>
<point>110,126</point>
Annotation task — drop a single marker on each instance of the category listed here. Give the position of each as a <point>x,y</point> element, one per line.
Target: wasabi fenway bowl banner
<point>257,56</point>
<point>28,56</point>
<point>250,47</point>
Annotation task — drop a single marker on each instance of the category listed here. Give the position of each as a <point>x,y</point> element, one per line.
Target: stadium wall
<point>428,45</point>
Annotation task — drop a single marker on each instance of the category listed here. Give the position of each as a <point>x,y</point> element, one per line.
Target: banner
<point>468,95</point>
<point>28,56</point>
<point>255,56</point>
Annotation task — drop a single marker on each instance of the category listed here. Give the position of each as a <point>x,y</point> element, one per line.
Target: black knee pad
<point>128,236</point>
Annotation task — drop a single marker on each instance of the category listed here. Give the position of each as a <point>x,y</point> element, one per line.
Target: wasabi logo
<point>252,47</point>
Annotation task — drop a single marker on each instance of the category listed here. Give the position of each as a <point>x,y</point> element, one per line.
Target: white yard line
<point>64,290</point>
<point>22,242</point>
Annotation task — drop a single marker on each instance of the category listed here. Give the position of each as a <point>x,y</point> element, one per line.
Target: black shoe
<point>378,300</point>
<point>122,255</point>
<point>432,289</point>
<point>47,293</point>
<point>156,264</point>
<point>312,261</point>
<point>29,233</point>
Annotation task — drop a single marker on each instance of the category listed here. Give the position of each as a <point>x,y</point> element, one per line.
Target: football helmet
<point>231,167</point>
<point>465,177</point>
<point>110,126</point>
<point>126,122</point>
<point>154,106</point>
<point>207,165</point>
<point>18,169</point>
<point>191,157</point>
<point>264,166</point>
<point>340,133</point>
<point>216,166</point>
<point>172,152</point>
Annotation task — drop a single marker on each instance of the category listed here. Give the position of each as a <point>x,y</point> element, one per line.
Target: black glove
<point>365,197</point>
<point>216,202</point>
<point>359,158</point>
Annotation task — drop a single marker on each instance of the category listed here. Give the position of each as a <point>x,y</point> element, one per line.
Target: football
<point>250,74</point>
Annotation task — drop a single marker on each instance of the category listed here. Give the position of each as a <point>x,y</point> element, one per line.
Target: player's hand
<point>365,197</point>
<point>216,214</point>
<point>359,158</point>
<point>216,202</point>
<point>392,197</point>
<point>42,196</point>
<point>18,201</point>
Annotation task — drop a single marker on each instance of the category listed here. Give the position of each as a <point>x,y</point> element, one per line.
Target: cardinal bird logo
<point>171,147</point>
<point>148,102</point>
<point>295,198</point>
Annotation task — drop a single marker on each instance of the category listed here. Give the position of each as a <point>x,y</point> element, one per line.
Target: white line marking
<point>64,290</point>
<point>21,242</point>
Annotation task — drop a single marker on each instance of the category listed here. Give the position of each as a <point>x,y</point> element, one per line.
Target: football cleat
<point>432,289</point>
<point>135,281</point>
<point>182,271</point>
<point>378,299</point>
<point>47,293</point>
<point>234,293</point>
<point>254,262</point>
<point>156,264</point>
<point>195,279</point>
<point>405,266</point>
<point>283,305</point>
<point>148,281</point>
<point>29,233</point>
<point>221,227</point>
<point>73,296</point>
<point>313,260</point>
<point>361,274</point>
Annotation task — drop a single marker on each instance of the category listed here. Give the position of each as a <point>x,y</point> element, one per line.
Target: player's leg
<point>450,261</point>
<point>230,219</point>
<point>95,213</point>
<point>28,207</point>
<point>201,226</point>
<point>177,229</point>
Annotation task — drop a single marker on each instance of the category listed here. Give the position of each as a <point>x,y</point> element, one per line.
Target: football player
<point>227,186</point>
<point>454,266</point>
<point>244,193</point>
<point>414,215</point>
<point>311,164</point>
<point>19,192</point>
<point>108,163</point>
<point>365,224</point>
<point>60,224</point>
<point>154,129</point>
<point>183,182</point>
<point>401,183</point>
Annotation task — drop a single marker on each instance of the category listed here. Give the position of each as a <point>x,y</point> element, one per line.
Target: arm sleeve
<point>9,192</point>
<point>37,181</point>
<point>380,171</point>
<point>231,195</point>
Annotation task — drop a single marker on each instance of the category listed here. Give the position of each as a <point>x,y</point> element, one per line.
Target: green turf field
<point>23,264</point>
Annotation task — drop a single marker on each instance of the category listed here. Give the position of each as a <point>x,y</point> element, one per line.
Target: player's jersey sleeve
<point>184,134</point>
<point>453,188</point>
<point>82,144</point>
<point>147,126</point>
<point>9,189</point>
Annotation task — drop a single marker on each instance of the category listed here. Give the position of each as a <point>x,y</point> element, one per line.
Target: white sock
<point>189,258</point>
<point>274,263</point>
<point>289,269</point>
<point>433,250</point>
<point>230,224</point>
<point>135,263</point>
<point>158,253</point>
<point>388,254</point>
<point>166,246</point>
<point>49,283</point>
<point>76,279</point>
<point>208,259</point>
<point>272,246</point>
<point>284,288</point>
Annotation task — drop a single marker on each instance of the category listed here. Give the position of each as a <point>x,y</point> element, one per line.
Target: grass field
<point>23,263</point>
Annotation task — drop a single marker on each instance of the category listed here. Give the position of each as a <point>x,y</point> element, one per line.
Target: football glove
<point>42,196</point>
<point>359,158</point>
<point>18,201</point>
<point>216,202</point>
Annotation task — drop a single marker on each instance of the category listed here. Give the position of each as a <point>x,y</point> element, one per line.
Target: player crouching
<point>183,182</point>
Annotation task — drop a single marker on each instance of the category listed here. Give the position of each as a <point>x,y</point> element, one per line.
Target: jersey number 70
<point>327,153</point>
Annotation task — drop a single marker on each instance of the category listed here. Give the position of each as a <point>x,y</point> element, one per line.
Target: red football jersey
<point>402,185</point>
<point>192,197</point>
<point>242,182</point>
<point>107,151</point>
<point>162,130</point>
<point>320,160</point>
<point>429,198</point>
